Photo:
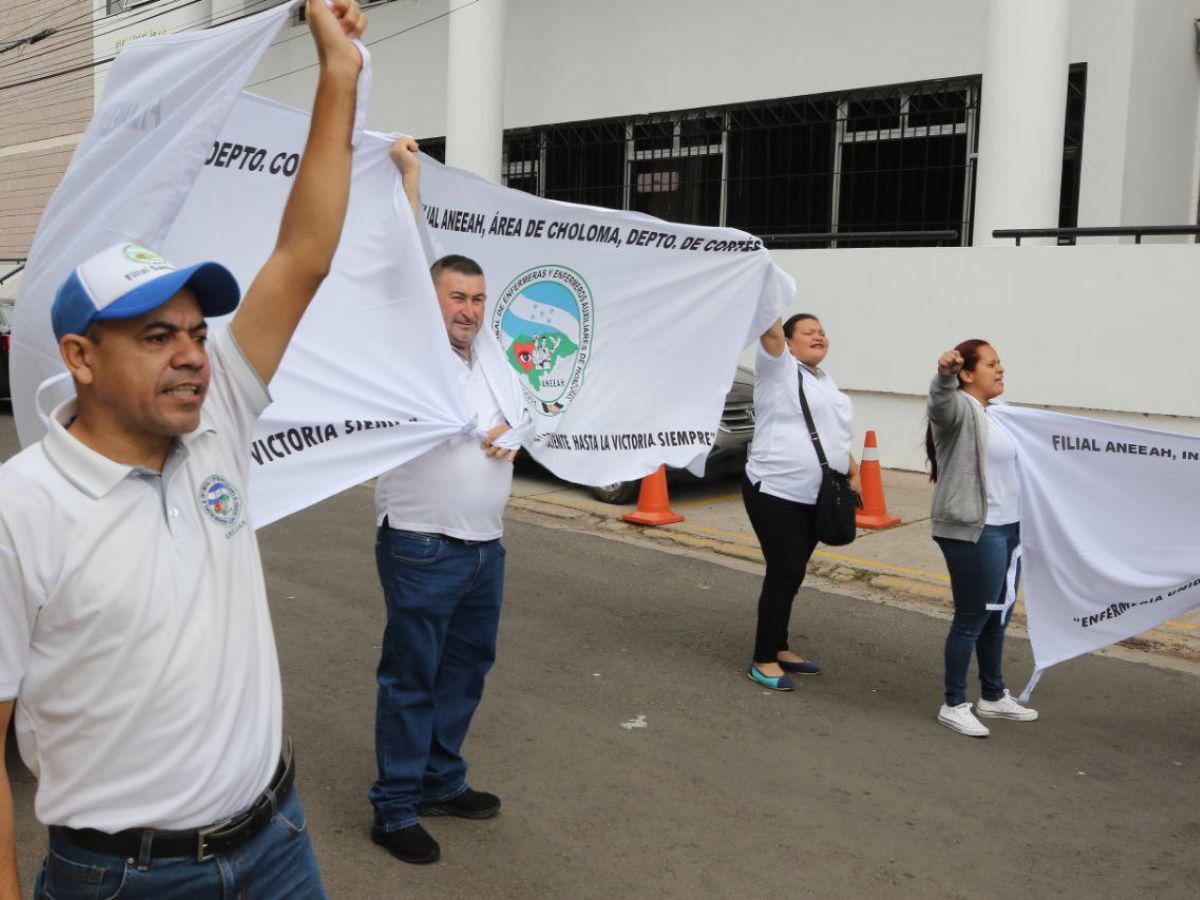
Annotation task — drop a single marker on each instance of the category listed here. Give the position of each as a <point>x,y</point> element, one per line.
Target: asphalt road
<point>845,788</point>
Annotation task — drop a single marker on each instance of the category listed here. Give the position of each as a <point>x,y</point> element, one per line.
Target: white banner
<point>625,346</point>
<point>625,330</point>
<point>193,168</point>
<point>164,101</point>
<point>369,380</point>
<point>1109,535</point>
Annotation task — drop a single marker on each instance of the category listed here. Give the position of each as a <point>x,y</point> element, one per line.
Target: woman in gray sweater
<point>976,523</point>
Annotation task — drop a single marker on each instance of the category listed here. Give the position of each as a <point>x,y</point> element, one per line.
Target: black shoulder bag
<point>836,502</point>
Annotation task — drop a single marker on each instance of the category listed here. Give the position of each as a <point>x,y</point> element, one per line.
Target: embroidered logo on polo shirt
<point>221,500</point>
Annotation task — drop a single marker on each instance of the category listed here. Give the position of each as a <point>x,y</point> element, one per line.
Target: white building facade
<point>808,122</point>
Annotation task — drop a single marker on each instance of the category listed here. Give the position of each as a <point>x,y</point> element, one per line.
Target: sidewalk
<point>903,561</point>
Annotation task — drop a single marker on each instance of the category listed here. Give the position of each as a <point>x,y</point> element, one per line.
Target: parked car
<point>729,449</point>
<point>6,318</point>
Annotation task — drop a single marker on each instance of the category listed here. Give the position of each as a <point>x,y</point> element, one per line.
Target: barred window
<point>1068,211</point>
<point>584,163</point>
<point>781,167</point>
<point>798,172</point>
<point>903,160</point>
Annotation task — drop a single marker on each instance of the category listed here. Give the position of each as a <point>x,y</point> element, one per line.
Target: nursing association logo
<point>543,321</point>
<point>220,500</point>
<point>141,254</point>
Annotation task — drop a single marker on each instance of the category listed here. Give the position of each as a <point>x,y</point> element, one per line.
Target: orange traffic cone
<point>873,512</point>
<point>654,506</point>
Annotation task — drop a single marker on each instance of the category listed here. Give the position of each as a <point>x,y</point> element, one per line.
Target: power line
<point>379,40</point>
<point>93,34</point>
<point>212,21</point>
<point>205,21</point>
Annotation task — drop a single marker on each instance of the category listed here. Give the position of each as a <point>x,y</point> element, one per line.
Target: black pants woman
<point>786,532</point>
<point>783,476</point>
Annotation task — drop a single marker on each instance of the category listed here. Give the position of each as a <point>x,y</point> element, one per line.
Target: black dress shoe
<point>412,844</point>
<point>467,805</point>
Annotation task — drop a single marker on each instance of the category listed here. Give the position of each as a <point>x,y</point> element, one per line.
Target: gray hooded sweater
<point>960,443</point>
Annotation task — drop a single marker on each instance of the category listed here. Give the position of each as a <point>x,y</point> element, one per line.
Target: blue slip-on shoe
<point>779,683</point>
<point>807,667</point>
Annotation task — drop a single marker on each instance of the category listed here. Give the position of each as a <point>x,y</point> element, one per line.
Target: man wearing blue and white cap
<point>135,638</point>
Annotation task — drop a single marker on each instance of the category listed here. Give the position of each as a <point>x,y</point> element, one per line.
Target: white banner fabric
<point>1109,535</point>
<point>176,158</point>
<point>624,347</point>
<point>164,101</point>
<point>625,330</point>
<point>369,380</point>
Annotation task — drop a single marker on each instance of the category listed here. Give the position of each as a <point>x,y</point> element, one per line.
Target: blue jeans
<point>276,862</point>
<point>977,578</point>
<point>443,615</point>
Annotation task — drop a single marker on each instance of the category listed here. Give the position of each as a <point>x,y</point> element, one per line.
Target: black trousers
<point>787,534</point>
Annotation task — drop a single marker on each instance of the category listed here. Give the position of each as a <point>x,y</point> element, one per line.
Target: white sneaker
<point>1006,708</point>
<point>961,719</point>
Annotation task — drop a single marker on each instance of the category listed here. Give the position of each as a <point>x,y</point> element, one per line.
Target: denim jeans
<point>977,578</point>
<point>443,614</point>
<point>276,862</point>
<point>787,533</point>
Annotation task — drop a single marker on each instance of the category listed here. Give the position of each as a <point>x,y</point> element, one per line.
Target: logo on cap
<point>141,254</point>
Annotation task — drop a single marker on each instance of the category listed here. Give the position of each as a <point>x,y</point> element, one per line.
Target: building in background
<point>806,122</point>
<point>46,100</point>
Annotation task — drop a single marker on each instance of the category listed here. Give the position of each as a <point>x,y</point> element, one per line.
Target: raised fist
<point>950,362</point>
<point>404,155</point>
<point>333,25</point>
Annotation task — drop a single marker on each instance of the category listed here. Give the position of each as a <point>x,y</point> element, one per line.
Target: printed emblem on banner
<point>141,254</point>
<point>221,500</point>
<point>543,321</point>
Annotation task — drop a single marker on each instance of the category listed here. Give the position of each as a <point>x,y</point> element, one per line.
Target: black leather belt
<point>203,843</point>
<point>430,534</point>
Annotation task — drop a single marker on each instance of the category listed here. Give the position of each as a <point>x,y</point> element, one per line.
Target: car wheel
<point>617,492</point>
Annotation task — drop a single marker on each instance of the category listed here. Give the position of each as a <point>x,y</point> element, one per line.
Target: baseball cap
<point>127,280</point>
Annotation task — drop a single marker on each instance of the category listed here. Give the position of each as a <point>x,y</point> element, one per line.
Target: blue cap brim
<point>214,286</point>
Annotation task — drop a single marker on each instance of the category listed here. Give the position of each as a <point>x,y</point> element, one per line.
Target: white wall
<point>580,59</point>
<point>408,56</point>
<point>572,60</point>
<point>1164,92</point>
<point>1101,37</point>
<point>1096,330</point>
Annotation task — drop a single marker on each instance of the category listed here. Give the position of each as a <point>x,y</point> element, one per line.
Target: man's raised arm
<point>316,207</point>
<point>404,155</point>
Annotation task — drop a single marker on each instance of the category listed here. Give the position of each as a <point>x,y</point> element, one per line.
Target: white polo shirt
<point>782,456</point>
<point>134,630</point>
<point>455,488</point>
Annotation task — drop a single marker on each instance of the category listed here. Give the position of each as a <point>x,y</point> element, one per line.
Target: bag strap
<point>808,419</point>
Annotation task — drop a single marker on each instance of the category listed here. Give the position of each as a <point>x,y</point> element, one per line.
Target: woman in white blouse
<point>783,476</point>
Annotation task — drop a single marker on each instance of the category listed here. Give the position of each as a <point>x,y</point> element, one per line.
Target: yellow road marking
<point>710,501</point>
<point>717,532</point>
<point>876,564</point>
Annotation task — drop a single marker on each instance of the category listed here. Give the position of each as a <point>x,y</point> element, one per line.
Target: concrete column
<point>475,88</point>
<point>1023,108</point>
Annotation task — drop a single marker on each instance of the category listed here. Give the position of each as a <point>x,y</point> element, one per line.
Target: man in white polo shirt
<point>135,639</point>
<point>442,569</point>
